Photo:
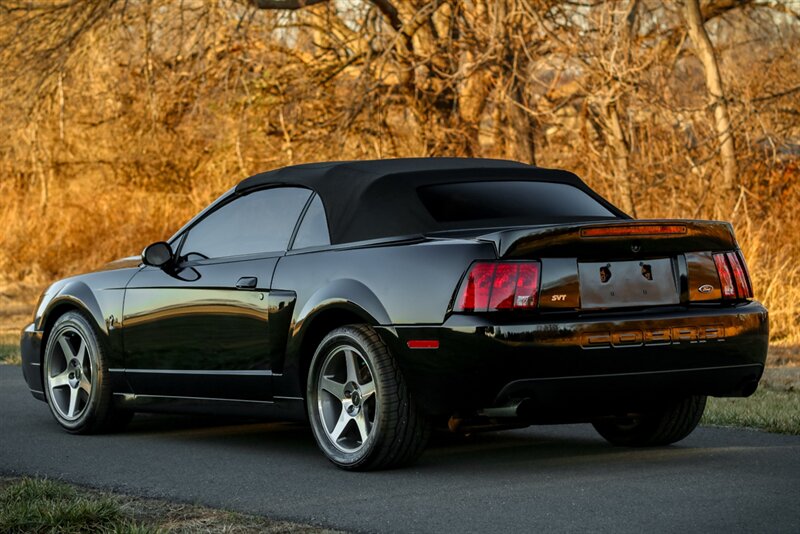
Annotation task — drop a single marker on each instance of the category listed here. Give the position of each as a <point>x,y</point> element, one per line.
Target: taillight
<point>743,287</point>
<point>733,276</point>
<point>492,286</point>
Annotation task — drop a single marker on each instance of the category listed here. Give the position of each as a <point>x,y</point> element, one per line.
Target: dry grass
<point>9,349</point>
<point>85,225</point>
<point>783,355</point>
<point>773,255</point>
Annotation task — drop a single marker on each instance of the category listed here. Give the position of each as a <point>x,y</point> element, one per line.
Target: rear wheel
<point>77,384</point>
<point>663,426</point>
<point>359,406</point>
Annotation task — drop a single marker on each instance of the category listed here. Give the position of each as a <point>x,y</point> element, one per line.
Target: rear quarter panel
<point>402,284</point>
<point>390,285</point>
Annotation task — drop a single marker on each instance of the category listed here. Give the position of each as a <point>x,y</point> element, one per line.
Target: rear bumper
<point>586,361</point>
<point>31,350</point>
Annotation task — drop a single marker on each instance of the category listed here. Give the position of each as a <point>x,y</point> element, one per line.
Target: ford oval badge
<point>705,288</point>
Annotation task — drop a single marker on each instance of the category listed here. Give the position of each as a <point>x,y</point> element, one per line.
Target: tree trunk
<point>473,93</point>
<point>521,126</point>
<point>619,146</point>
<point>705,52</point>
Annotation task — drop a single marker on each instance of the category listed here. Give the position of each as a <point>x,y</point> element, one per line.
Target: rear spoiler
<point>610,239</point>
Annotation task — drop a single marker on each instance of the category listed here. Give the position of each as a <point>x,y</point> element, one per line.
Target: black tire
<point>398,431</point>
<point>75,353</point>
<point>663,426</point>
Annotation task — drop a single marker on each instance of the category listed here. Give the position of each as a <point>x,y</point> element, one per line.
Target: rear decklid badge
<point>706,288</point>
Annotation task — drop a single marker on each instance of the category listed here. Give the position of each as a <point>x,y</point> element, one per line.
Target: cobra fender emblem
<point>705,288</point>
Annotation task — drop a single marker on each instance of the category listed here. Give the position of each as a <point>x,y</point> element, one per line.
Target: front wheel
<point>359,406</point>
<point>76,378</point>
<point>662,426</point>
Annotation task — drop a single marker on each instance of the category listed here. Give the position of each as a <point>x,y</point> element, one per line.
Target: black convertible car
<point>377,299</point>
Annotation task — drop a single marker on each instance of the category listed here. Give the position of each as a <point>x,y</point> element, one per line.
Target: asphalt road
<point>540,479</point>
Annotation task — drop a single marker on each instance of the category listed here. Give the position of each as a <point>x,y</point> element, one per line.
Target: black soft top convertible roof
<point>375,199</point>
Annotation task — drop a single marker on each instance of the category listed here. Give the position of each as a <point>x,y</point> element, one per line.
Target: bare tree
<point>704,50</point>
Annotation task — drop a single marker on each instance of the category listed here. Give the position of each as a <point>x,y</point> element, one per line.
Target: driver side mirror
<point>157,254</point>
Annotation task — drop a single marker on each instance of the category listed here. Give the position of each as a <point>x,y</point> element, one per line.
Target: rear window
<point>511,202</point>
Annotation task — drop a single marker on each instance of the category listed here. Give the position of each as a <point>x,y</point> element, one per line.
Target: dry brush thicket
<point>121,119</point>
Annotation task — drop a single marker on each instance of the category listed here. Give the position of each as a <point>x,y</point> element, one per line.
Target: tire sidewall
<point>76,321</point>
<point>657,428</point>
<point>343,337</point>
<point>629,435</point>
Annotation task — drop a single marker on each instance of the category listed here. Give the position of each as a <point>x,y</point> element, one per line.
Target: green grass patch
<point>9,349</point>
<point>47,506</point>
<point>774,410</point>
<point>31,505</point>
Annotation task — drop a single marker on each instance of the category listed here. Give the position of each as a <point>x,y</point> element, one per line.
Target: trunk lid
<point>562,240</point>
<point>632,263</point>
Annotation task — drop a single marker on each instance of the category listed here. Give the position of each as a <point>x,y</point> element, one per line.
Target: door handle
<point>247,282</point>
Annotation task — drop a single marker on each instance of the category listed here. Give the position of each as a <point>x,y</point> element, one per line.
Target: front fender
<point>56,300</point>
<point>103,306</point>
<point>75,295</point>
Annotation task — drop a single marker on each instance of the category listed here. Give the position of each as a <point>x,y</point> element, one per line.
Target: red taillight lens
<point>499,286</point>
<point>733,277</point>
<point>503,286</point>
<point>475,291</point>
<point>743,288</point>
<point>725,278</point>
<point>746,273</point>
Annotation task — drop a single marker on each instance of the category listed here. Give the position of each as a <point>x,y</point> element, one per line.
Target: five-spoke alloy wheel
<point>76,381</point>
<point>69,374</point>
<point>359,406</point>
<point>346,398</point>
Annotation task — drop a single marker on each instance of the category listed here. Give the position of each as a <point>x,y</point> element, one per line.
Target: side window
<point>313,231</point>
<point>261,221</point>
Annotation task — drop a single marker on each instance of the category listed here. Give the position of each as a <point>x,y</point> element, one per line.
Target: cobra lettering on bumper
<point>655,336</point>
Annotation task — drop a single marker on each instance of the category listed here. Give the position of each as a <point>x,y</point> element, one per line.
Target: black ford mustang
<point>379,298</point>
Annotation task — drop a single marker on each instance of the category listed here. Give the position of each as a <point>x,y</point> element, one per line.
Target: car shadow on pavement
<point>568,445</point>
<point>147,423</point>
<point>577,448</point>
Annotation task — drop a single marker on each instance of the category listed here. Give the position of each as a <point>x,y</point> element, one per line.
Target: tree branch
<point>284,4</point>
<point>390,12</point>
<point>715,8</point>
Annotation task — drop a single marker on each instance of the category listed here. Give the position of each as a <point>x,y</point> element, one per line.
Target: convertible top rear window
<point>369,200</point>
<point>510,202</point>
